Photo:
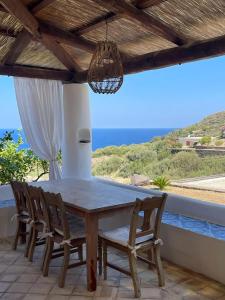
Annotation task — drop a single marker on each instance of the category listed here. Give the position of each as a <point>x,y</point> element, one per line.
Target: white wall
<point>199,253</point>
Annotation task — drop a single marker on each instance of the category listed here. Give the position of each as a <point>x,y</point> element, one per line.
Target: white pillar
<point>76,148</point>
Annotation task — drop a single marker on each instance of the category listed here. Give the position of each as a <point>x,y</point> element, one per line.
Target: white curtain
<point>40,107</point>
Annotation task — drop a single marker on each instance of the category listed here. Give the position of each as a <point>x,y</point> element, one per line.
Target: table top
<point>93,195</point>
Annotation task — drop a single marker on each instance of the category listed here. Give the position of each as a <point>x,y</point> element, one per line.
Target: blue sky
<point>171,97</point>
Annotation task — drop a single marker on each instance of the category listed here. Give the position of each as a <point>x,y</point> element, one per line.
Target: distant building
<point>190,141</point>
<point>223,132</point>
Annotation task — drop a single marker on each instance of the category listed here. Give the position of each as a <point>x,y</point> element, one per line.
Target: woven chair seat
<point>121,236</point>
<point>77,231</point>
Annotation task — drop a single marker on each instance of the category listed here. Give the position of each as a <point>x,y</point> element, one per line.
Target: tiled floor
<point>20,279</point>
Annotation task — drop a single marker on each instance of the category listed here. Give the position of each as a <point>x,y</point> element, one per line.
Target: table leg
<point>91,221</point>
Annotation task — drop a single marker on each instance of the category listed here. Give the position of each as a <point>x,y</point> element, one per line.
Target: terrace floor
<point>20,279</point>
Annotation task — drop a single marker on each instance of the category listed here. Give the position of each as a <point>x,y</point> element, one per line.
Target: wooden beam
<point>16,8</point>
<point>169,57</point>
<point>21,42</point>
<point>66,37</point>
<point>111,16</point>
<point>33,72</point>
<point>60,53</point>
<point>19,10</point>
<point>2,9</point>
<point>96,23</point>
<point>40,5</point>
<point>143,4</point>
<point>150,23</point>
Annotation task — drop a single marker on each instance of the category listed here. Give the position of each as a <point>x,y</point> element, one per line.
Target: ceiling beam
<point>2,9</point>
<point>143,4</point>
<point>169,57</point>
<point>96,23</point>
<point>33,72</point>
<point>40,5</point>
<point>34,8</point>
<point>129,11</point>
<point>20,11</point>
<point>21,42</point>
<point>67,37</point>
<point>60,53</point>
<point>111,16</point>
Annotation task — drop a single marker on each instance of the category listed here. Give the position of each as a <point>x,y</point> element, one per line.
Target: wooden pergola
<point>55,39</point>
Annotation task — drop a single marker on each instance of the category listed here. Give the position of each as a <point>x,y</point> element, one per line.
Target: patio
<point>20,279</point>
<point>47,45</point>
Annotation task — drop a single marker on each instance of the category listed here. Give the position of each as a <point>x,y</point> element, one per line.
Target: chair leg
<point>16,239</point>
<point>65,266</point>
<point>133,270</point>
<point>48,256</point>
<point>104,246</point>
<point>44,255</point>
<point>80,253</point>
<point>23,231</point>
<point>100,256</point>
<point>32,244</point>
<point>159,266</point>
<point>28,242</point>
<point>150,258</point>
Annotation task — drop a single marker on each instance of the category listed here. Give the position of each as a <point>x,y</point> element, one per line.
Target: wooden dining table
<point>93,200</point>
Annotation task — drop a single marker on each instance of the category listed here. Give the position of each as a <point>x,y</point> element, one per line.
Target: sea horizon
<point>103,137</point>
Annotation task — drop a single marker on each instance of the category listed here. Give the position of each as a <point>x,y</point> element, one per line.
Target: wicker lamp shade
<point>105,74</point>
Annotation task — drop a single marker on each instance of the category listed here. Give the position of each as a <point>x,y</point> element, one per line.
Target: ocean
<point>113,137</point>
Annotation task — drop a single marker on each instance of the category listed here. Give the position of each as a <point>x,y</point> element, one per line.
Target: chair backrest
<point>37,204</point>
<point>151,209</point>
<point>21,196</point>
<point>57,218</point>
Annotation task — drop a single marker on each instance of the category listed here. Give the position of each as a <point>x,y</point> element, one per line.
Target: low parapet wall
<point>200,151</point>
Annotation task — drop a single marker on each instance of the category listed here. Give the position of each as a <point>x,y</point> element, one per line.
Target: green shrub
<point>129,168</point>
<point>219,143</point>
<point>185,162</point>
<point>205,140</point>
<point>16,163</point>
<point>161,182</point>
<point>141,154</point>
<point>107,166</point>
<point>111,150</point>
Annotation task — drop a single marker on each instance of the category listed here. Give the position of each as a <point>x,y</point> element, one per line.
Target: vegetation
<point>16,163</point>
<point>161,182</point>
<point>205,140</point>
<point>153,159</point>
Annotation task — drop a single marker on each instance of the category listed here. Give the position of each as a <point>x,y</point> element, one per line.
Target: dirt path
<point>208,196</point>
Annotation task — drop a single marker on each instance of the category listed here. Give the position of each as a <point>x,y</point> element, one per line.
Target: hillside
<point>155,158</point>
<point>209,126</point>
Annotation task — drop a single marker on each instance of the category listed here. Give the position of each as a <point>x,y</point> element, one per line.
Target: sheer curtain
<point>40,108</point>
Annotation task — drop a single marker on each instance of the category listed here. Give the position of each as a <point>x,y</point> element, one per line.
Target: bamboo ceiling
<point>56,38</point>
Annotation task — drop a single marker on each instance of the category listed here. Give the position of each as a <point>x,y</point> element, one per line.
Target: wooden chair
<point>133,238</point>
<point>23,216</point>
<point>69,237</point>
<point>39,219</point>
